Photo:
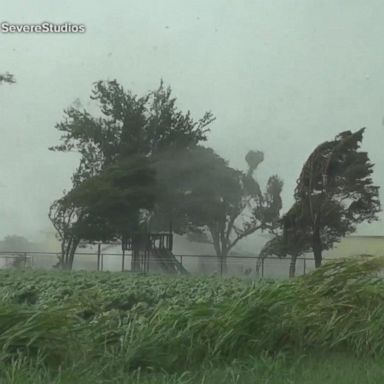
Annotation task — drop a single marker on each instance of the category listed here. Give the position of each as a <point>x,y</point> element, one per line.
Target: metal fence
<point>240,266</point>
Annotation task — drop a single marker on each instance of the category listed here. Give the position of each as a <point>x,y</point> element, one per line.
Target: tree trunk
<point>222,261</point>
<point>69,250</point>
<point>135,260</point>
<point>75,244</point>
<point>317,248</point>
<point>292,266</point>
<point>221,250</point>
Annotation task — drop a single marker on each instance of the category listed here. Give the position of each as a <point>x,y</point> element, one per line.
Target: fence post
<point>123,261</point>
<point>305,265</point>
<point>262,267</point>
<point>221,266</point>
<point>102,261</point>
<point>98,256</point>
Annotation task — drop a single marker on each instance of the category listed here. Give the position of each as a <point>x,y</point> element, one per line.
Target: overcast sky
<point>280,76</point>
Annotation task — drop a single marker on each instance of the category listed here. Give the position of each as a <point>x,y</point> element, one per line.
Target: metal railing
<point>241,266</point>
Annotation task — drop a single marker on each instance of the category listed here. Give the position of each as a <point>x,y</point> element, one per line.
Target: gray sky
<point>280,76</point>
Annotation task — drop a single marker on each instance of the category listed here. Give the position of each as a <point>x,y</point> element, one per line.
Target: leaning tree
<point>335,192</point>
<point>64,216</point>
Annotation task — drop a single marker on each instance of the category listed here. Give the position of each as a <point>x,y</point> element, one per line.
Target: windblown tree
<point>127,127</point>
<point>335,192</point>
<point>217,203</point>
<point>7,78</point>
<point>64,216</point>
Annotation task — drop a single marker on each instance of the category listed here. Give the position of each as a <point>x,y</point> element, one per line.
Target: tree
<point>16,243</point>
<point>129,127</point>
<point>7,78</point>
<point>290,242</point>
<point>104,207</point>
<point>204,196</point>
<point>64,216</point>
<point>113,201</point>
<point>19,246</point>
<point>334,193</point>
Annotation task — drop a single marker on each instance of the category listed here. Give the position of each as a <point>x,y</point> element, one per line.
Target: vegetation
<point>17,246</point>
<point>335,192</point>
<point>109,327</point>
<point>16,243</point>
<point>215,203</point>
<point>130,132</point>
<point>142,169</point>
<point>103,207</point>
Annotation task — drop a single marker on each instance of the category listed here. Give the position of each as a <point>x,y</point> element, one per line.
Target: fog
<point>280,76</point>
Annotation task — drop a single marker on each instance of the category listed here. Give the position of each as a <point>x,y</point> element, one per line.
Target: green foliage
<point>334,193</point>
<point>316,369</point>
<point>205,196</point>
<point>141,158</point>
<point>193,184</point>
<point>111,201</point>
<point>128,125</point>
<point>125,323</point>
<point>114,181</point>
<point>253,159</point>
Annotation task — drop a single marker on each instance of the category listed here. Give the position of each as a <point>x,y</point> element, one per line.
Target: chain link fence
<point>205,265</point>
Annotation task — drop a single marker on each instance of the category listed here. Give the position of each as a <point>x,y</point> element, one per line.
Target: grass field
<point>88,327</point>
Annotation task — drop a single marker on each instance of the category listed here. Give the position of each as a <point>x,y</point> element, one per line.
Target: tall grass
<point>184,324</point>
<point>337,308</point>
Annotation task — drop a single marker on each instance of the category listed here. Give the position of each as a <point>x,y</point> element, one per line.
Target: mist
<point>279,76</point>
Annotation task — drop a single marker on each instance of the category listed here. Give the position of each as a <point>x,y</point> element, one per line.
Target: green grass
<point>115,328</point>
<point>316,369</point>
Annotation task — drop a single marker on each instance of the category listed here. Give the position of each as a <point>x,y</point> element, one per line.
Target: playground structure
<point>151,249</point>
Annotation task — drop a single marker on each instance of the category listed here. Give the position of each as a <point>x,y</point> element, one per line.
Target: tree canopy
<point>127,125</point>
<point>207,197</point>
<point>335,192</point>
<point>114,181</point>
<point>112,201</point>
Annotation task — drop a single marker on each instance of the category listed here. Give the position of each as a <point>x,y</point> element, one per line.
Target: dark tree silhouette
<point>129,127</point>
<point>7,78</point>
<point>335,192</point>
<point>215,202</point>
